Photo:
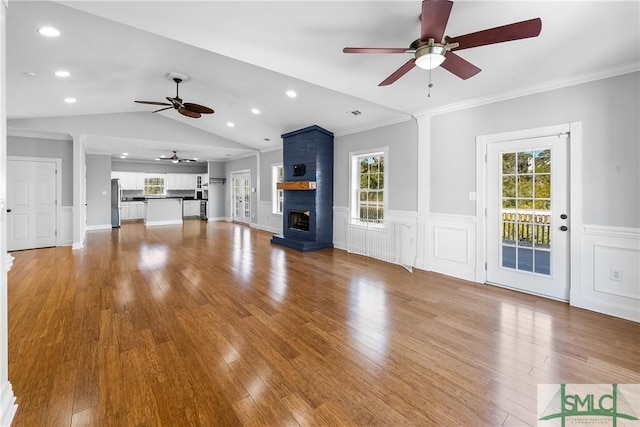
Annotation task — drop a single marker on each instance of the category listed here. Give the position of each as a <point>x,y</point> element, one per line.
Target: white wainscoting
<point>452,247</point>
<point>610,270</point>
<point>392,241</point>
<point>65,226</point>
<point>8,405</point>
<point>267,220</point>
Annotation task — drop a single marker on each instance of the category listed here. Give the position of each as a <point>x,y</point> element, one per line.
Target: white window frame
<point>354,182</point>
<point>155,176</point>
<point>276,207</point>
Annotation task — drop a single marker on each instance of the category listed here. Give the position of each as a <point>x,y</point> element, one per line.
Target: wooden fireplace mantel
<point>296,185</point>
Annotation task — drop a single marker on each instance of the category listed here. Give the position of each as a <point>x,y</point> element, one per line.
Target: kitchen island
<point>163,211</point>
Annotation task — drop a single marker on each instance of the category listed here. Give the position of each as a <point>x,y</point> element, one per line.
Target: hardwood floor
<point>209,324</point>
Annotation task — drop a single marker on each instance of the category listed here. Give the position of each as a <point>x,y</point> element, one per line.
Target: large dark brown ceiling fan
<point>434,49</point>
<point>185,108</point>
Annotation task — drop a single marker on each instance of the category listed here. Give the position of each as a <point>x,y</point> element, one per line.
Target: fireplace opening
<point>299,220</point>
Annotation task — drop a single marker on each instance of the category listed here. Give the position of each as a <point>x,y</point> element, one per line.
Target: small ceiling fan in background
<point>176,159</point>
<point>434,49</point>
<point>185,108</point>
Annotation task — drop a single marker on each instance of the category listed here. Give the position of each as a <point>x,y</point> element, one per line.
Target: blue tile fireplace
<point>308,190</point>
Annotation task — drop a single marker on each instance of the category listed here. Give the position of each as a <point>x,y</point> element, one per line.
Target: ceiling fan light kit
<point>430,53</point>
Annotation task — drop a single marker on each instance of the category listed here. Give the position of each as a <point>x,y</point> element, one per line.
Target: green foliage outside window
<point>154,187</point>
<point>371,191</point>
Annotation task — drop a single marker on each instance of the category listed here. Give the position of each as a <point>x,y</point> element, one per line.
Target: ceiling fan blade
<point>189,113</point>
<point>399,72</point>
<point>162,109</point>
<point>176,102</point>
<point>505,33</point>
<point>459,66</point>
<point>377,50</point>
<point>197,108</point>
<point>434,18</point>
<point>152,102</point>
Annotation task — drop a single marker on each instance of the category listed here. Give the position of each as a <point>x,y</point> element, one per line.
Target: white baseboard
<point>99,227</point>
<point>267,228</point>
<point>8,405</point>
<point>169,222</point>
<point>219,218</point>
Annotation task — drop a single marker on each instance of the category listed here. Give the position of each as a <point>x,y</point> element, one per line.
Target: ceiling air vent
<point>355,112</point>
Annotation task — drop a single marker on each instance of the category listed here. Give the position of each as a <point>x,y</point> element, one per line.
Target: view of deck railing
<point>526,228</point>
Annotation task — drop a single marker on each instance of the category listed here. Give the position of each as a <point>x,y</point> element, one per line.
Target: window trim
<point>274,189</point>
<point>155,176</point>
<point>354,183</point>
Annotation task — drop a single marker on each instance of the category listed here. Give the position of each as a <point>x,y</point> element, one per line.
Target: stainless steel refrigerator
<point>116,196</point>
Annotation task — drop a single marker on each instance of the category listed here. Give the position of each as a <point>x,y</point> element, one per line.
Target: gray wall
<point>609,111</point>
<point>402,163</point>
<point>217,191</point>
<point>246,163</point>
<point>266,161</point>
<point>161,166</point>
<point>98,181</point>
<point>48,148</point>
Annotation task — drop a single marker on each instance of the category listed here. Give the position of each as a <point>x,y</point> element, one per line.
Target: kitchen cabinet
<point>130,180</point>
<point>202,181</point>
<point>181,181</point>
<point>190,208</point>
<point>132,210</point>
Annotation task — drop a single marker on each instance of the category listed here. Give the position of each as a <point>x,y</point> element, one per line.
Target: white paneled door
<point>31,204</point>
<point>528,215</point>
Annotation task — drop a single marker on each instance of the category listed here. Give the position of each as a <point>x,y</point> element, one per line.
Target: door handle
<point>563,216</point>
<point>8,210</point>
<point>563,228</point>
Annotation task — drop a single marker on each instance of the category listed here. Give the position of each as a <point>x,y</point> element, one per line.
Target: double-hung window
<point>277,196</point>
<point>155,186</point>
<point>368,185</point>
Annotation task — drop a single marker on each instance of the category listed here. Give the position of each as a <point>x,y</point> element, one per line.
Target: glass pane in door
<point>526,211</point>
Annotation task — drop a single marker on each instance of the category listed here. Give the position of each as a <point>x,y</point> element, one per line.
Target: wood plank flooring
<point>209,324</point>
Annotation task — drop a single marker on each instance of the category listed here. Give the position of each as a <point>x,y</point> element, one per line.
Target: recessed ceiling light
<point>255,111</point>
<point>125,154</point>
<point>70,100</point>
<point>62,73</point>
<point>195,158</point>
<point>163,156</point>
<point>123,157</point>
<point>291,94</point>
<point>230,124</point>
<point>49,31</point>
<point>29,74</point>
<point>157,158</point>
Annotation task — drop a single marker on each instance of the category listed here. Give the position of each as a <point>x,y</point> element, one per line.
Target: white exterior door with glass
<point>528,215</point>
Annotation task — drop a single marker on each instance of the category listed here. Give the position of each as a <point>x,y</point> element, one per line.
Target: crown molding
<point>39,134</point>
<point>617,70</point>
<point>374,126</point>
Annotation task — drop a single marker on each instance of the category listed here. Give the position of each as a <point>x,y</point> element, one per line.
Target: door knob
<point>563,216</point>
<point>8,210</point>
<point>563,228</point>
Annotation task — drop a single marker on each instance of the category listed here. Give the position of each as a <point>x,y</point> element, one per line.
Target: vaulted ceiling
<point>242,55</point>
